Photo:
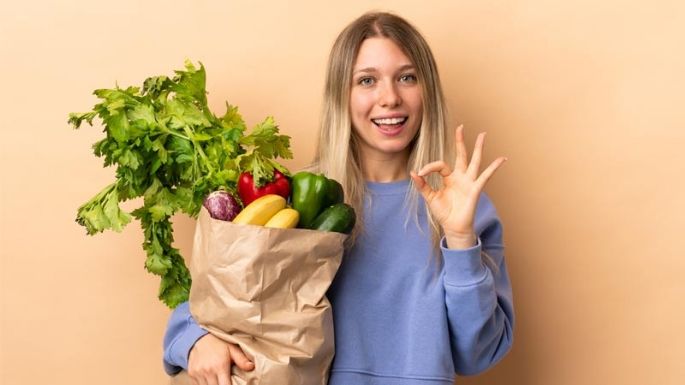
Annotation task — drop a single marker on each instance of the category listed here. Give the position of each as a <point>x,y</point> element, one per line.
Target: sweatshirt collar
<point>385,188</point>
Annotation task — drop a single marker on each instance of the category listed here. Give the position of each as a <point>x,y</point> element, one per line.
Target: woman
<point>409,307</point>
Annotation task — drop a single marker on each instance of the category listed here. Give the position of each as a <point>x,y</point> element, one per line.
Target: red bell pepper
<point>247,191</point>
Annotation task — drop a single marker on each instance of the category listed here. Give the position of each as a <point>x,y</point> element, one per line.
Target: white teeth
<point>389,120</point>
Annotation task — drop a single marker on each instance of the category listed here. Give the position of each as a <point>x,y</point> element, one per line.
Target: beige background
<point>584,97</point>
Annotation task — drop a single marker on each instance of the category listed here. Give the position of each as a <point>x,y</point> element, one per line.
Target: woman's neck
<point>384,168</point>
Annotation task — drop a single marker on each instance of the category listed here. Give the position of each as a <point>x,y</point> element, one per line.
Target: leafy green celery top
<point>170,149</point>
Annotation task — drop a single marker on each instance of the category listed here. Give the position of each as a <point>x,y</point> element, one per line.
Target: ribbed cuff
<point>463,267</point>
<point>180,348</point>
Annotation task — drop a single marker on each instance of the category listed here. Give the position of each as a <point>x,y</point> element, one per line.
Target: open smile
<point>390,126</point>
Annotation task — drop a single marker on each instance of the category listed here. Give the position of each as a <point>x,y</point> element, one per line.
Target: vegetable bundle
<point>171,150</point>
<point>317,203</point>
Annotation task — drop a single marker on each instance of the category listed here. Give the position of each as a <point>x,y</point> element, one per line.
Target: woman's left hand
<point>454,204</point>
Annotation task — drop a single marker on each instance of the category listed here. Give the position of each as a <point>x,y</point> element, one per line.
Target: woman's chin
<point>392,148</point>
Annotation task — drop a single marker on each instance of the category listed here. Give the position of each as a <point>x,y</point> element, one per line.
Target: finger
<point>485,176</point>
<point>437,166</point>
<point>200,379</point>
<point>212,379</point>
<point>195,380</point>
<point>223,375</point>
<point>239,358</point>
<point>474,166</point>
<point>424,188</point>
<point>462,155</point>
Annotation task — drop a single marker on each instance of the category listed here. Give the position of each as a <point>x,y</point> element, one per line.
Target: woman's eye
<point>409,78</point>
<point>365,81</point>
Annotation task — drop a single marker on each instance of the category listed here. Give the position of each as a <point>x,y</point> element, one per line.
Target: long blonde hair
<point>337,154</point>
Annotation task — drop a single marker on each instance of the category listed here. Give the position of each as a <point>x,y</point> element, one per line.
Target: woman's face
<point>385,99</point>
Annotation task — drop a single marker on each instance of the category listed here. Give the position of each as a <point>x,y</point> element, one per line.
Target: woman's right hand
<point>210,360</point>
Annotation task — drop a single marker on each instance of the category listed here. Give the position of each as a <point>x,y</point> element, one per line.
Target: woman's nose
<point>389,97</point>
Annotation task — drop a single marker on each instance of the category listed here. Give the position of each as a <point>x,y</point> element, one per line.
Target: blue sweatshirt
<point>401,315</point>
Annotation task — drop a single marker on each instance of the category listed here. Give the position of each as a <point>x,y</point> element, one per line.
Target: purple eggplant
<point>221,205</point>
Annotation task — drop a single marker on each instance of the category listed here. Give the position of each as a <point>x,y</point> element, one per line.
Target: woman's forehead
<point>379,52</point>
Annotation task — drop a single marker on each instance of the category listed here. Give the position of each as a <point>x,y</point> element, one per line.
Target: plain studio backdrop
<point>584,97</point>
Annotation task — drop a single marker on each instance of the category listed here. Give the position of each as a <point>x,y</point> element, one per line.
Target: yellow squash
<point>284,219</point>
<point>260,210</point>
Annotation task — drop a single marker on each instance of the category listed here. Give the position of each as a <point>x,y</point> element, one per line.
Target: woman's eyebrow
<point>403,67</point>
<point>367,69</point>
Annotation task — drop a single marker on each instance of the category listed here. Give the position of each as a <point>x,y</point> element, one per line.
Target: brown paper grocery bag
<point>264,289</point>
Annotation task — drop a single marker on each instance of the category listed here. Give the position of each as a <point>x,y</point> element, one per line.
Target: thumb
<point>239,358</point>
<point>424,188</point>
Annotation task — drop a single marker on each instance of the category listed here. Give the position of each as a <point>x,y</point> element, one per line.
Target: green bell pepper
<point>311,194</point>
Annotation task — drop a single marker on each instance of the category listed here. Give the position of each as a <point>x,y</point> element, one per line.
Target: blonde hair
<point>337,154</point>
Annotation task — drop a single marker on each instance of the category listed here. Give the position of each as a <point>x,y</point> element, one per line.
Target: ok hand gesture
<point>454,204</point>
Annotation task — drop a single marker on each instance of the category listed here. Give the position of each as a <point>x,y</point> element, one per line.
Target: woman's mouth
<point>390,126</point>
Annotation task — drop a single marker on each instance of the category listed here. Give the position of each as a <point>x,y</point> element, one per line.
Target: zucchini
<point>339,217</point>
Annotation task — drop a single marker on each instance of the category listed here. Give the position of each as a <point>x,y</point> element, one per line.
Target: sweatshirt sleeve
<point>181,334</point>
<point>478,296</point>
